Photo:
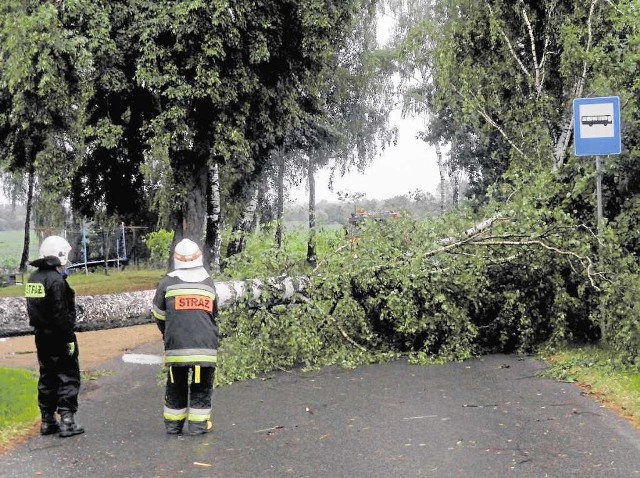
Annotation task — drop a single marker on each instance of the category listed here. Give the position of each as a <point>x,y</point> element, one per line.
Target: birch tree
<point>511,71</point>
<point>214,225</point>
<point>357,100</point>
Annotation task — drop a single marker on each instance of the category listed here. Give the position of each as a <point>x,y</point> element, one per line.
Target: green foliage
<point>498,77</point>
<point>39,80</point>
<point>429,290</point>
<point>159,245</point>
<point>264,339</point>
<point>619,308</point>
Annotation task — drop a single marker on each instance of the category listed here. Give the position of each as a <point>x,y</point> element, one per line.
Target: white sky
<point>409,165</point>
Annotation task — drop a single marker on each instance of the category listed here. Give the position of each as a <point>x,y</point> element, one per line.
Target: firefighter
<point>185,310</point>
<point>52,313</point>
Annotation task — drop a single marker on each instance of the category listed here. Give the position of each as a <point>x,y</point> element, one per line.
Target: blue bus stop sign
<point>597,126</point>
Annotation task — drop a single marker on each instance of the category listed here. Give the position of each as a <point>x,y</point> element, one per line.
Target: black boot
<point>49,424</point>
<point>173,427</point>
<point>200,428</point>
<point>68,426</point>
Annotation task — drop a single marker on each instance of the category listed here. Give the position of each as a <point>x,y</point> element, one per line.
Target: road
<point>487,417</point>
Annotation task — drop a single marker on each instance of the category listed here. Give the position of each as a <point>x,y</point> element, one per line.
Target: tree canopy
<point>159,91</point>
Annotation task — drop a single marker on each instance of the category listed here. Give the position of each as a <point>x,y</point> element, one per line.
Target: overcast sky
<point>408,166</point>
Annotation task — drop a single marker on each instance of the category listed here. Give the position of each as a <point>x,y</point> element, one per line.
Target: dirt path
<point>95,347</point>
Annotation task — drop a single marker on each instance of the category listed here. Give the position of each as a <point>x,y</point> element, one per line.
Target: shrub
<point>159,245</point>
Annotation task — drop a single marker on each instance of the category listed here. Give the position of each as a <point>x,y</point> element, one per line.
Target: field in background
<point>256,262</point>
<point>95,283</point>
<point>11,243</point>
<point>98,283</point>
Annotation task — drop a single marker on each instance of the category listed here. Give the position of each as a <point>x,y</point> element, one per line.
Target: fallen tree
<point>100,312</point>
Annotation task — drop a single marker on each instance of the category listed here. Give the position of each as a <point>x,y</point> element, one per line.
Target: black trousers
<point>59,382</point>
<point>188,396</point>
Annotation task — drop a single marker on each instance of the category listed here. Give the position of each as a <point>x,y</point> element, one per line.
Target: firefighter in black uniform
<point>52,313</point>
<point>184,307</point>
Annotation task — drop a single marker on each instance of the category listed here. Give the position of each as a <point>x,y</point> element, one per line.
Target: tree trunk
<point>562,143</point>
<point>454,175</point>
<point>280,202</point>
<point>213,238</point>
<point>312,257</point>
<point>111,311</point>
<point>27,221</point>
<point>443,180</point>
<point>189,219</point>
<point>238,235</point>
<point>564,137</point>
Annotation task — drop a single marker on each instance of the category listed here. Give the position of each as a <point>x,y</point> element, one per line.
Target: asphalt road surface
<point>488,417</point>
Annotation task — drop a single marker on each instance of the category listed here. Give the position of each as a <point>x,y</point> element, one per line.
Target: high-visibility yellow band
<point>199,418</point>
<point>173,417</point>
<point>158,316</point>
<point>171,374</point>
<point>196,374</point>
<point>179,292</point>
<point>190,358</point>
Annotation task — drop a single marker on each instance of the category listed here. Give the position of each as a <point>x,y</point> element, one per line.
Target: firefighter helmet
<point>55,246</point>
<point>187,255</point>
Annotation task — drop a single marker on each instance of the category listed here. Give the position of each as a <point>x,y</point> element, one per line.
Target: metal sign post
<point>600,215</point>
<point>597,133</point>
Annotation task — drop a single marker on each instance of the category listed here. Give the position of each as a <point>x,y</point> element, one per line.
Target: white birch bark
<point>214,223</point>
<point>121,310</point>
<point>280,200</point>
<point>442,169</point>
<point>537,75</point>
<point>311,243</point>
<point>242,226</point>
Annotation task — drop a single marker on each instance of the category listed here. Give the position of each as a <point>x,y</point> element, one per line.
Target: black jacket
<point>186,315</point>
<point>50,299</point>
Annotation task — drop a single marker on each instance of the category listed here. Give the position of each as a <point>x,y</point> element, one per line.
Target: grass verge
<point>18,404</point>
<point>19,413</point>
<point>600,374</point>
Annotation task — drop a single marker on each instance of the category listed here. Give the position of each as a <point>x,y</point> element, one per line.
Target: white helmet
<point>55,246</point>
<point>187,255</point>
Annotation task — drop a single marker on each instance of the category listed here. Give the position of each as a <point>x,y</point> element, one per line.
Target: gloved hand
<point>71,348</point>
